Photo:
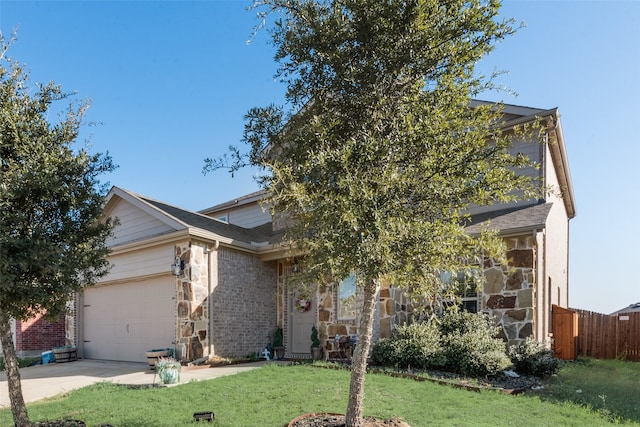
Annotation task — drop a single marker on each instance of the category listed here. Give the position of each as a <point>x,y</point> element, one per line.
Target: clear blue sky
<point>171,80</point>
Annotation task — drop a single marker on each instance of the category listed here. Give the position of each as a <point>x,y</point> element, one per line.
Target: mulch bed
<point>61,423</point>
<point>338,420</point>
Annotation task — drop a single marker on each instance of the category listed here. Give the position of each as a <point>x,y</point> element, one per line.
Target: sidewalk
<point>42,381</point>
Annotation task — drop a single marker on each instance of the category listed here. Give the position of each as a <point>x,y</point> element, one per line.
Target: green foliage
<point>471,346</point>
<point>277,338</point>
<point>315,341</point>
<point>168,370</point>
<point>459,342</point>
<point>416,346</point>
<point>533,358</point>
<point>50,198</point>
<point>23,362</point>
<point>379,150</point>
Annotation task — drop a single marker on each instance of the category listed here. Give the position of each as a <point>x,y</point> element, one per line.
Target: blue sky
<point>170,81</point>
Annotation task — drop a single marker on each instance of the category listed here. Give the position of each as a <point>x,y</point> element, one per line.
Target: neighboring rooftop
<point>632,308</point>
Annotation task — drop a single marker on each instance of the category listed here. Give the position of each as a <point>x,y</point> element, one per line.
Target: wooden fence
<point>596,335</point>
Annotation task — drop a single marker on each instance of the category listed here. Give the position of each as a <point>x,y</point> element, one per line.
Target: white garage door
<point>122,322</point>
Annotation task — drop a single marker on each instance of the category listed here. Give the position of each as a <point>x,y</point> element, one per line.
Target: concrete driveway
<point>42,381</point>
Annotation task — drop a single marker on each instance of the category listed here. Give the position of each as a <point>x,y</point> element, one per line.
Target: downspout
<point>79,325</point>
<point>546,301</point>
<point>536,300</point>
<point>213,270</point>
<point>568,251</point>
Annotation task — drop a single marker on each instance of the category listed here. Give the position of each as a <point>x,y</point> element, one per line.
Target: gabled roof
<point>512,220</point>
<point>632,308</point>
<point>196,223</point>
<point>234,203</point>
<point>203,222</point>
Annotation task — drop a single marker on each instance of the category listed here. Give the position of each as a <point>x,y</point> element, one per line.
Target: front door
<point>300,323</point>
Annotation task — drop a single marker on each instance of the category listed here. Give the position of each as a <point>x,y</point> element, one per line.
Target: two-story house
<point>214,282</point>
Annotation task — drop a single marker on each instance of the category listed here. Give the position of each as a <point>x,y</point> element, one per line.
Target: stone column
<point>192,302</point>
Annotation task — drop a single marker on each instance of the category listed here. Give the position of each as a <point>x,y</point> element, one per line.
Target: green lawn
<point>274,395</point>
<point>610,387</point>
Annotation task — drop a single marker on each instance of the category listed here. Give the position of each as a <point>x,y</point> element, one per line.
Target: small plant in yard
<point>168,370</point>
<point>534,358</point>
<point>604,411</point>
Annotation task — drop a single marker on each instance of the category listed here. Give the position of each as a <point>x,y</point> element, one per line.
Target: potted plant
<point>154,355</point>
<point>316,350</point>
<point>278,345</point>
<point>168,370</point>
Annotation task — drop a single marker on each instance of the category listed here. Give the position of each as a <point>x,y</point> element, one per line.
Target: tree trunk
<point>18,407</point>
<point>355,408</point>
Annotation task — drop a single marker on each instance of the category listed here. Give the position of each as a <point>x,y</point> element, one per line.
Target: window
<point>347,298</point>
<point>469,295</point>
<point>465,289</point>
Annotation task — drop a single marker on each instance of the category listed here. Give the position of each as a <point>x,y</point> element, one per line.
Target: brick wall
<point>244,304</point>
<point>38,334</point>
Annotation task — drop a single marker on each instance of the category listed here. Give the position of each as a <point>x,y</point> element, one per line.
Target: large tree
<point>52,242</point>
<point>379,153</point>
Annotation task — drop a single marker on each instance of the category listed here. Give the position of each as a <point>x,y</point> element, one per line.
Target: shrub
<point>385,353</point>
<point>460,342</point>
<point>416,345</point>
<point>471,346</point>
<point>533,358</point>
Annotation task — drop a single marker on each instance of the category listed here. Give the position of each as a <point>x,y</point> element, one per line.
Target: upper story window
<point>347,298</point>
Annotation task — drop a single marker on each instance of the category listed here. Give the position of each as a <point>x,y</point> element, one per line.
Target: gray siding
<point>534,151</point>
<point>135,224</point>
<point>248,216</point>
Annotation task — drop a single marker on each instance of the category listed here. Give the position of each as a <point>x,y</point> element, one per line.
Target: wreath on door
<point>302,302</point>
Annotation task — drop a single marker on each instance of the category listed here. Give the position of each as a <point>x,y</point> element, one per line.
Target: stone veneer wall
<point>507,296</point>
<point>391,309</point>
<point>394,309</point>
<point>328,324</point>
<point>508,293</point>
<point>244,303</point>
<point>192,303</point>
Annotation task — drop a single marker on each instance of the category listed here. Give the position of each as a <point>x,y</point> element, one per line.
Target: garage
<point>123,321</point>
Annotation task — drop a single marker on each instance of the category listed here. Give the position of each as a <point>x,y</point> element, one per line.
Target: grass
<point>610,387</point>
<point>274,395</point>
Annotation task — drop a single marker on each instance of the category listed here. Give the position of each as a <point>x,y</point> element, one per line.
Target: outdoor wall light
<point>177,267</point>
